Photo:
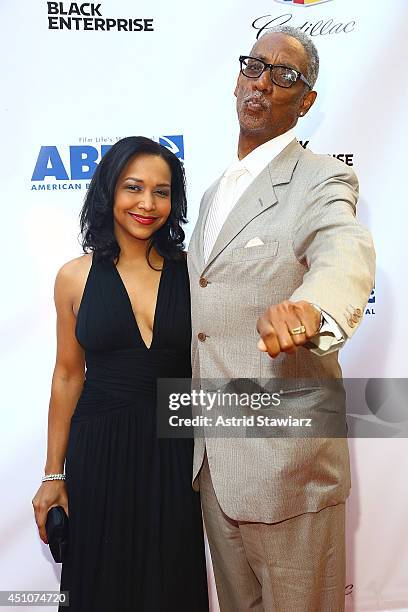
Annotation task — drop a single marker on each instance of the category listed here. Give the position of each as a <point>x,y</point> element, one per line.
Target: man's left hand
<point>279,322</point>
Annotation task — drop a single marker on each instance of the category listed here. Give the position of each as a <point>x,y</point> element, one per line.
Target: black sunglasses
<point>283,76</point>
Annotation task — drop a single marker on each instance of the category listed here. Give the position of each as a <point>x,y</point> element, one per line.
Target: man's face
<point>265,108</point>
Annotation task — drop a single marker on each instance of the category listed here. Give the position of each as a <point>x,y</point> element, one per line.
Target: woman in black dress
<point>123,313</point>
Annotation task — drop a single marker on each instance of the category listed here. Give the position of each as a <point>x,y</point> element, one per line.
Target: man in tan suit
<point>280,273</point>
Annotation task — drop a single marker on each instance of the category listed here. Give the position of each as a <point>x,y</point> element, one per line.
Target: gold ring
<point>298,330</point>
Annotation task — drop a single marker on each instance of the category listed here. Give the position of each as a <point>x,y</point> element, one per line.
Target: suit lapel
<point>197,239</point>
<point>258,197</point>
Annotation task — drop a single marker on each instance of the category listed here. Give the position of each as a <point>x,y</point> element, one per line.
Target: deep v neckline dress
<point>136,539</point>
<point>132,314</point>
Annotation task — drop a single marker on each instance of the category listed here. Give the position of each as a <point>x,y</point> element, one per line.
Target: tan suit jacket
<point>302,206</point>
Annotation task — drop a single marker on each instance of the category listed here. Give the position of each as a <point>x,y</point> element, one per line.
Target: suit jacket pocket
<point>262,251</point>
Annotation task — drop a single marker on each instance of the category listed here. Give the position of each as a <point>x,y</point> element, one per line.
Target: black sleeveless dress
<point>136,538</point>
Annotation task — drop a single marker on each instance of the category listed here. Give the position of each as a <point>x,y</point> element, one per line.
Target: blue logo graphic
<point>370,308</point>
<point>83,160</point>
<point>175,144</point>
<point>82,163</point>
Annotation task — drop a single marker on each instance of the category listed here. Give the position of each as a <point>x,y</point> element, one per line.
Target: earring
<point>301,113</point>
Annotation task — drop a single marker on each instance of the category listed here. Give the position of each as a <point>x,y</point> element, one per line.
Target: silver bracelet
<point>53,477</point>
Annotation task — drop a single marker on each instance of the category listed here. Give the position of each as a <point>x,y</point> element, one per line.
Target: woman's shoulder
<point>72,275</point>
<point>74,267</point>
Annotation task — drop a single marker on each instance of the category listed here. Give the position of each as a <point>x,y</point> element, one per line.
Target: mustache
<point>257,97</point>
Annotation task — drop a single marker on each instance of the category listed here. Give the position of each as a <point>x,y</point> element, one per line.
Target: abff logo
<point>370,308</point>
<point>302,2</point>
<point>83,159</point>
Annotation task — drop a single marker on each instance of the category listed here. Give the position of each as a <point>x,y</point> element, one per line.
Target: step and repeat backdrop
<point>77,77</point>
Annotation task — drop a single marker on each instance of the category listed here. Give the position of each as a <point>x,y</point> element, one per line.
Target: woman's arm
<point>67,383</point>
<point>68,377</point>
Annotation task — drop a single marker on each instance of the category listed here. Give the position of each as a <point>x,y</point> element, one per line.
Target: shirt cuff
<point>330,337</point>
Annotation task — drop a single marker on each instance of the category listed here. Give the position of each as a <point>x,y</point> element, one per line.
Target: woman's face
<point>142,197</point>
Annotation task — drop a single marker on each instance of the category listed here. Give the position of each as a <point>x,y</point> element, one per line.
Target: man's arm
<point>339,259</point>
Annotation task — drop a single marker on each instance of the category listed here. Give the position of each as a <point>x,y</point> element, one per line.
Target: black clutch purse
<point>56,527</point>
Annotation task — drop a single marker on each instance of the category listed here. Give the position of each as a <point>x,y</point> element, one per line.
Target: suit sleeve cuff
<point>330,337</point>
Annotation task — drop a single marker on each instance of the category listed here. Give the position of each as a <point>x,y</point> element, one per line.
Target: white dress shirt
<point>235,180</point>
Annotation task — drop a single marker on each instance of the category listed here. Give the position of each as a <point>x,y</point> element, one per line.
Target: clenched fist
<point>279,322</point>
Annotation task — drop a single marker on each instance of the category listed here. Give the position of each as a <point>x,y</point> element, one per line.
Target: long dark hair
<point>96,217</point>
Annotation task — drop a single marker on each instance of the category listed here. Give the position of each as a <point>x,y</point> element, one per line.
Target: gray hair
<point>308,45</point>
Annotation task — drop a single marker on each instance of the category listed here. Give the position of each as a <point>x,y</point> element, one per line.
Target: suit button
<point>351,322</point>
<point>203,282</point>
<point>355,318</point>
<point>202,336</point>
<point>358,312</point>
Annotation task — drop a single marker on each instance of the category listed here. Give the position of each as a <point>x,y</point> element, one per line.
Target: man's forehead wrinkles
<point>262,52</point>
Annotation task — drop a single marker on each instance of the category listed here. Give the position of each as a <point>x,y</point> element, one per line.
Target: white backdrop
<point>66,89</point>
